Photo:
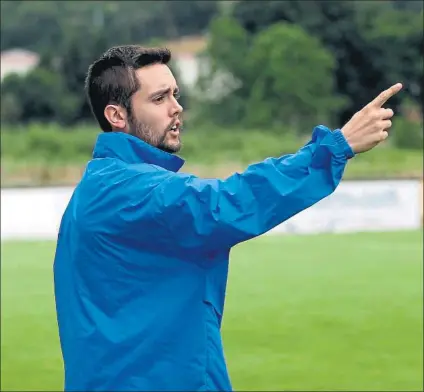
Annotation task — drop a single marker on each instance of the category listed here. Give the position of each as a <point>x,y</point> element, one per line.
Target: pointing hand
<point>369,127</point>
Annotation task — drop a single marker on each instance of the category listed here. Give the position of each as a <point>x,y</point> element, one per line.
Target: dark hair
<point>112,80</point>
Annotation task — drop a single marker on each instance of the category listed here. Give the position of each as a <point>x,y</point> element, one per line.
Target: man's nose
<point>177,107</point>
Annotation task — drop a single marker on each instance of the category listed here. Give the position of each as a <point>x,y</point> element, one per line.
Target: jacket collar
<point>131,149</point>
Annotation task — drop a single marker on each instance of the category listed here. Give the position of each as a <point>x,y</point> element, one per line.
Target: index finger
<point>381,99</point>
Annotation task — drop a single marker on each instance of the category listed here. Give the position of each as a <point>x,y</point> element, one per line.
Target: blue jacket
<point>141,262</point>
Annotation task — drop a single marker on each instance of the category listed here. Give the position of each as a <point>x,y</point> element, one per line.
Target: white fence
<point>35,213</point>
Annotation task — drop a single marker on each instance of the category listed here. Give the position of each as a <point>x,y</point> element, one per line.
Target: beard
<point>157,139</point>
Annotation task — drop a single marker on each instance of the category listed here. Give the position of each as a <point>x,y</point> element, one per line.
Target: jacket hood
<point>131,149</point>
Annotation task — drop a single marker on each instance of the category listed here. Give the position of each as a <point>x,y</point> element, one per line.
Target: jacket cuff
<point>342,142</point>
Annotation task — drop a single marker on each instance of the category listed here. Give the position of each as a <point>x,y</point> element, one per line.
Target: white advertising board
<point>35,213</point>
<point>361,206</point>
<point>32,213</point>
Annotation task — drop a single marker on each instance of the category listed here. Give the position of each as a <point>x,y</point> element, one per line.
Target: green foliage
<point>214,145</point>
<point>375,44</point>
<point>283,66</point>
<point>221,91</point>
<point>51,143</point>
<point>228,45</point>
<point>397,39</point>
<point>39,95</point>
<point>47,143</point>
<point>284,90</point>
<point>408,135</point>
<point>267,79</point>
<point>11,109</point>
<point>70,35</point>
<point>42,154</point>
<point>120,22</point>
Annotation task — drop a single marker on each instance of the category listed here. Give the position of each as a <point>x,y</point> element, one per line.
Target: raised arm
<point>200,214</point>
<point>178,210</point>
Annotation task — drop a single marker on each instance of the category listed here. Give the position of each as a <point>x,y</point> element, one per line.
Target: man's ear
<point>116,116</point>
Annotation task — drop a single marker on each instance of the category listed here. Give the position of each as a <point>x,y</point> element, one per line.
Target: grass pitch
<point>316,313</point>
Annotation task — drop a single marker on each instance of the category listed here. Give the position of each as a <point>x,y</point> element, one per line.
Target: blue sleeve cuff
<point>342,142</point>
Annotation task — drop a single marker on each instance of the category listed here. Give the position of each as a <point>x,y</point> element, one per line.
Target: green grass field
<point>314,313</point>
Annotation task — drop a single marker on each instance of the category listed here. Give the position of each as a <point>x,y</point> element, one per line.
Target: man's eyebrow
<point>162,91</point>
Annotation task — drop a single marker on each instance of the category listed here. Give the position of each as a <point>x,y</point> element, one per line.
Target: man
<point>142,254</point>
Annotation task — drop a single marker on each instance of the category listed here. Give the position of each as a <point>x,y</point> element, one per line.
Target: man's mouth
<point>176,127</point>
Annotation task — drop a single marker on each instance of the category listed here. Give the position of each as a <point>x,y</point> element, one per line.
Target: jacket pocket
<point>215,287</point>
<point>217,377</point>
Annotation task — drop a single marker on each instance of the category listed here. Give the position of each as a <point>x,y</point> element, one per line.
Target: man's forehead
<point>155,77</point>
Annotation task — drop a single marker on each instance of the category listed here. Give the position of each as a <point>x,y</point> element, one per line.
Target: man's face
<point>156,113</point>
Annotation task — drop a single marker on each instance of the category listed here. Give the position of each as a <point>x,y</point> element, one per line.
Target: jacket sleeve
<point>193,213</point>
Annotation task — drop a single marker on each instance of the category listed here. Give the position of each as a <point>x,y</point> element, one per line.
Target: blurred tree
<point>76,55</point>
<point>284,90</point>
<point>74,33</point>
<point>374,44</point>
<point>222,88</point>
<point>11,108</point>
<point>345,28</point>
<point>21,22</point>
<point>37,96</point>
<point>411,5</point>
<point>120,21</point>
<point>396,39</point>
<point>268,77</point>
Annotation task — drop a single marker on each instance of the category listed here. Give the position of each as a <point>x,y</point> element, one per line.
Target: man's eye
<point>159,99</point>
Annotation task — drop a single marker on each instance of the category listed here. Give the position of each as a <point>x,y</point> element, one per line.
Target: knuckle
<point>387,113</point>
<point>386,124</point>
